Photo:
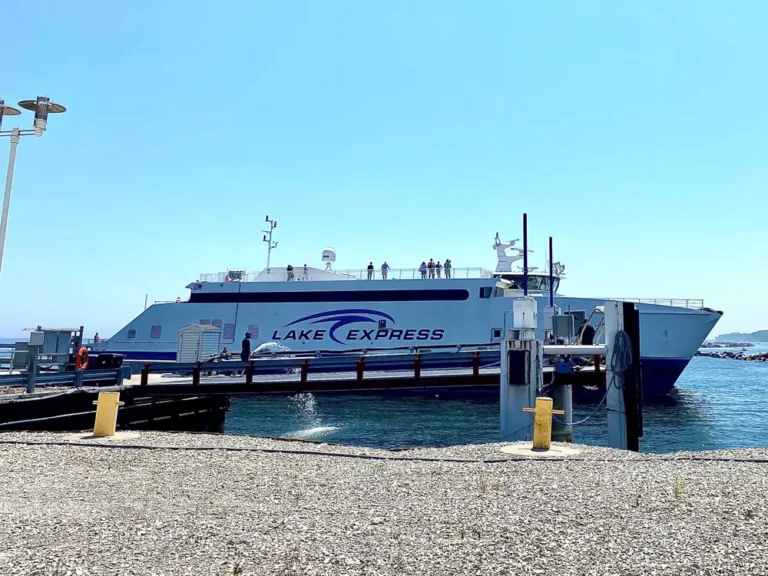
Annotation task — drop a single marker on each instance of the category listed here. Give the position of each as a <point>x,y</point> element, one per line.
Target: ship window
<point>496,334</point>
<point>155,331</point>
<point>486,291</point>
<point>229,331</point>
<point>254,330</point>
<point>217,322</point>
<point>132,333</point>
<point>205,321</point>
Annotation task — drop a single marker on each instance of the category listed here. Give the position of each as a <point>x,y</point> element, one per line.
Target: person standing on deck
<point>289,273</point>
<point>438,268</point>
<point>587,334</point>
<point>384,270</point>
<point>431,268</point>
<point>245,350</point>
<point>370,270</point>
<point>447,267</point>
<point>423,270</point>
<point>306,272</point>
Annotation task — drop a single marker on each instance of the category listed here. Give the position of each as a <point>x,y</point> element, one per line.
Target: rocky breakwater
<point>727,345</point>
<point>732,355</point>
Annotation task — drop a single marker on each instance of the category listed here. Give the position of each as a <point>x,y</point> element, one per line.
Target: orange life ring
<point>81,360</point>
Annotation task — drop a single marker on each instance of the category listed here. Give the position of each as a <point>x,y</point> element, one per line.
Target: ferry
<point>310,309</point>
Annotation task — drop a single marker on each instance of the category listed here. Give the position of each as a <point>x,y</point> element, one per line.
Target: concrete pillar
<point>614,380</point>
<point>519,383</point>
<point>562,397</point>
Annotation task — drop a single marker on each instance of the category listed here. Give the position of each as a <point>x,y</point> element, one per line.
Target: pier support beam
<point>562,399</point>
<point>614,378</point>
<point>521,373</point>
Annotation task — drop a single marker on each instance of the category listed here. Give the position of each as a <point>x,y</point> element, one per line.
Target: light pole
<point>268,238</point>
<point>41,107</point>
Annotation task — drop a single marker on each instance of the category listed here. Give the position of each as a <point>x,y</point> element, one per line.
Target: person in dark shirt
<point>587,334</point>
<point>370,271</point>
<point>245,351</point>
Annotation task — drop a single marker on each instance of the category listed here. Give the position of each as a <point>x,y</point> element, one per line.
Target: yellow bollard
<point>542,422</point>
<point>106,413</point>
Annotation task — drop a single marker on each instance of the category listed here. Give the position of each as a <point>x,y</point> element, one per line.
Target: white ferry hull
<point>311,316</point>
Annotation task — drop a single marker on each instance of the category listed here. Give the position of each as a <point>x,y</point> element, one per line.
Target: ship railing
<point>413,273</point>
<point>693,303</point>
<point>362,274</point>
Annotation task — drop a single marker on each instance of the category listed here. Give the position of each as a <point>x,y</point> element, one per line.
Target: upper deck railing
<point>362,274</point>
<point>694,303</point>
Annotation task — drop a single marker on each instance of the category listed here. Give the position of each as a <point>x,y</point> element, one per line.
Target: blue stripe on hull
<point>659,374</point>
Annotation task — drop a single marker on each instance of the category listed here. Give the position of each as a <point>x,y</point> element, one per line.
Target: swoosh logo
<point>341,318</point>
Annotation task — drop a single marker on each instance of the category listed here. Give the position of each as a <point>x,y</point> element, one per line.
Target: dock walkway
<point>219,505</point>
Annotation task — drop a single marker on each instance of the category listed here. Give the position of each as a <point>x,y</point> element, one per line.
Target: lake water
<point>718,404</point>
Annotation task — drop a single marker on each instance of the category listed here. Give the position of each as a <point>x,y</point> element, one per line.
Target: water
<point>719,404</point>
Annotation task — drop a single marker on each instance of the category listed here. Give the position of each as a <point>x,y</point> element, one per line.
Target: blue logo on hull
<point>338,319</point>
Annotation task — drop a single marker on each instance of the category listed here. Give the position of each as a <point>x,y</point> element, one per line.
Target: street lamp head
<point>42,107</point>
<point>7,111</point>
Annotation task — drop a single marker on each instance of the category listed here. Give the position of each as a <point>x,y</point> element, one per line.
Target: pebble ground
<point>196,504</point>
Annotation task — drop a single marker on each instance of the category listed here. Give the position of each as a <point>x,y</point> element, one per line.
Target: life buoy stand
<point>81,359</point>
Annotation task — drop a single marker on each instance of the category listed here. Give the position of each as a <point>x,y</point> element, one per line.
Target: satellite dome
<point>329,255</point>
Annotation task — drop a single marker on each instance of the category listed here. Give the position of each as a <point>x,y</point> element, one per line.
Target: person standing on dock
<point>384,270</point>
<point>370,270</point>
<point>245,351</point>
<point>587,334</point>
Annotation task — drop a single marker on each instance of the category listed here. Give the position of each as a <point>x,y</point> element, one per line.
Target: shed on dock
<point>198,342</point>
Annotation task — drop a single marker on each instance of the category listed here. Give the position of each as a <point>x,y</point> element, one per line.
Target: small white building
<point>198,342</point>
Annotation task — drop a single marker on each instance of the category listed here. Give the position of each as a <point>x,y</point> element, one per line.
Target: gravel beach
<point>167,504</point>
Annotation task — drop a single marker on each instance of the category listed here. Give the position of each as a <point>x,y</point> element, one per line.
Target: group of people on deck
<point>434,269</point>
<point>429,269</point>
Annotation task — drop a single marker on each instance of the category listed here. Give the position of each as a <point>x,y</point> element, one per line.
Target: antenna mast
<point>268,238</point>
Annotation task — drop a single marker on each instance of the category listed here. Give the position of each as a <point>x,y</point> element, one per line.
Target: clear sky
<point>635,133</point>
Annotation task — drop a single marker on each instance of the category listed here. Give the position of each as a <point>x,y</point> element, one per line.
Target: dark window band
<point>329,296</point>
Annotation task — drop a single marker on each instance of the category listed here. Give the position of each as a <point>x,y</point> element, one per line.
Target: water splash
<point>311,423</point>
<point>272,348</point>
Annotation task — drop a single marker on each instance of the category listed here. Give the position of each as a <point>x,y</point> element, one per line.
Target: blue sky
<point>634,133</point>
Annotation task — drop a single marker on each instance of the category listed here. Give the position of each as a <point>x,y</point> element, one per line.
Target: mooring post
<point>79,378</point>
<point>562,399</point>
<point>475,364</point>
<point>633,391</point>
<point>196,374</point>
<point>304,370</point>
<point>614,379</point>
<point>542,422</point>
<point>360,368</point>
<point>144,374</point>
<point>106,413</point>
<point>521,361</point>
<point>417,366</point>
<point>249,373</point>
